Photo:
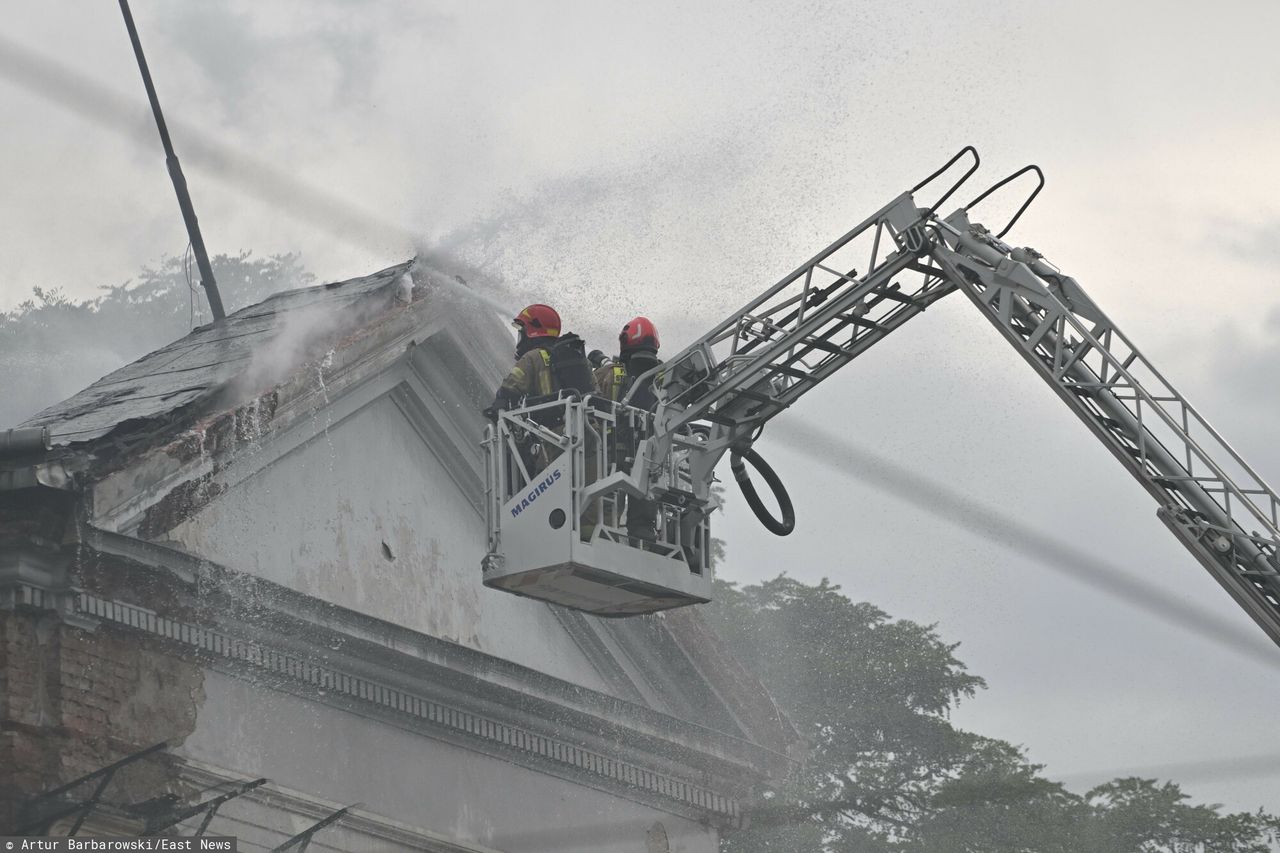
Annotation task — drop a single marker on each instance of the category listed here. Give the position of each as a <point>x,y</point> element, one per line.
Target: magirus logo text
<point>534,492</point>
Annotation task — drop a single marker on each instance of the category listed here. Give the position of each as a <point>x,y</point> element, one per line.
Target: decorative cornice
<point>430,715</point>
<point>369,643</point>
<point>36,579</point>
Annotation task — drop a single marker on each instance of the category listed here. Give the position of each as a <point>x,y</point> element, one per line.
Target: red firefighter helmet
<point>538,321</point>
<point>639,333</point>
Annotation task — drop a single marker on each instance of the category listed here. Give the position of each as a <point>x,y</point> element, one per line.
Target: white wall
<point>345,758</point>
<point>315,520</point>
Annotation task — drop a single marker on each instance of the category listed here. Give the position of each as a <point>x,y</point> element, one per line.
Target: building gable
<point>306,519</point>
<point>362,510</point>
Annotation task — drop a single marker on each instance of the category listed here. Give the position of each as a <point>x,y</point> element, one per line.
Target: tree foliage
<point>886,771</point>
<point>52,346</point>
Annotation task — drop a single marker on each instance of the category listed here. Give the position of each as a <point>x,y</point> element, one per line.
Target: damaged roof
<point>213,357</point>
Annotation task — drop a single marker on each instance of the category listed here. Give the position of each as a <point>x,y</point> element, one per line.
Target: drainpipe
<point>22,442</point>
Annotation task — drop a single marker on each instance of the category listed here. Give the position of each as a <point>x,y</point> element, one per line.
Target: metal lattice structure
<point>717,394</point>
<point>783,343</point>
<point>1212,500</point>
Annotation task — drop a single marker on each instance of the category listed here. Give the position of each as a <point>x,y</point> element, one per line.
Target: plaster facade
<point>273,586</point>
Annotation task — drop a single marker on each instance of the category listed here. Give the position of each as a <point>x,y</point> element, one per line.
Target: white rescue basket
<point>563,513</point>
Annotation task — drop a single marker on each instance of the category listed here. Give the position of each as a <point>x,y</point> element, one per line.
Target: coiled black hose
<point>737,460</point>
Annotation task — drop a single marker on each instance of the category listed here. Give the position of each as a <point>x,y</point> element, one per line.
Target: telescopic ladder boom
<point>561,521</point>
<point>718,393</point>
<point>1208,496</point>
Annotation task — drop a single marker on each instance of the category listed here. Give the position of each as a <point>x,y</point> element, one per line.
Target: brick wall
<point>73,701</point>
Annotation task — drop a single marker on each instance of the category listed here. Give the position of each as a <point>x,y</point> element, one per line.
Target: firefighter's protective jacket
<point>610,380</point>
<point>613,381</point>
<point>530,377</point>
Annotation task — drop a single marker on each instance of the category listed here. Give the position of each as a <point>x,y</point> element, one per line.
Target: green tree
<point>870,696</point>
<point>1145,816</point>
<point>52,346</point>
<point>997,802</point>
<point>886,771</point>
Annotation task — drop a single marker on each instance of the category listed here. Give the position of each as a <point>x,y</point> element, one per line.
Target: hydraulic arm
<point>1212,500</point>
<point>718,393</point>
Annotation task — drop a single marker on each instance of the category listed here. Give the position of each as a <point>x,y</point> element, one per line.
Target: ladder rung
<point>858,321</point>
<point>755,395</point>
<point>886,293</point>
<point>927,269</point>
<point>773,404</point>
<point>825,346</point>
<point>791,371</point>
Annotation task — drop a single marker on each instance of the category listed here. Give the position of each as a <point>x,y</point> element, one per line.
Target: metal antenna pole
<point>175,172</point>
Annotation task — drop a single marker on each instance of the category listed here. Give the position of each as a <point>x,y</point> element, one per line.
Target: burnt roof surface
<point>211,357</point>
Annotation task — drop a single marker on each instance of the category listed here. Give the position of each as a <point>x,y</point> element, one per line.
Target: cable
<point>940,500</point>
<point>61,84</point>
<point>191,287</point>
<point>778,527</point>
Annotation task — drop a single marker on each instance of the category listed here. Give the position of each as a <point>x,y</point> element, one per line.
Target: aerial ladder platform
<point>562,473</point>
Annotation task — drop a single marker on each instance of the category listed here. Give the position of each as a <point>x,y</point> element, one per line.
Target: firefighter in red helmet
<point>548,361</point>
<point>539,327</point>
<point>637,355</point>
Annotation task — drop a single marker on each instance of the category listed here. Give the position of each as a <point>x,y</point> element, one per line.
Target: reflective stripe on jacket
<point>610,381</point>
<point>530,377</point>
<point>613,383</point>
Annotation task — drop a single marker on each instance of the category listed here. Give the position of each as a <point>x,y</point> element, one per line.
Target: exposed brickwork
<point>121,580</point>
<point>74,701</point>
<point>215,439</point>
<point>181,502</point>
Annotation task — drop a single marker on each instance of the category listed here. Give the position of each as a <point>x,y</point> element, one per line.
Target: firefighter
<point>539,327</point>
<point>533,377</point>
<point>637,354</point>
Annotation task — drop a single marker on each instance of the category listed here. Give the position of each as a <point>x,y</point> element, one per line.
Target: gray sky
<point>674,159</point>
